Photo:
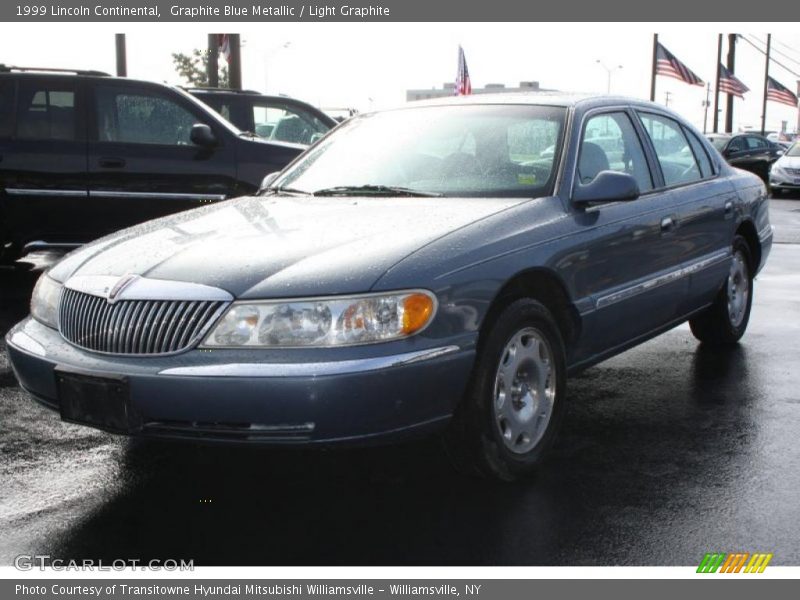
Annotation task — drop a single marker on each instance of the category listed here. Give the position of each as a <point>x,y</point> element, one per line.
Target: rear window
<point>46,112</point>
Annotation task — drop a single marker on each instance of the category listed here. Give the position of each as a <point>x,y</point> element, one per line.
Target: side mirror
<point>608,186</point>
<point>267,181</point>
<point>203,136</point>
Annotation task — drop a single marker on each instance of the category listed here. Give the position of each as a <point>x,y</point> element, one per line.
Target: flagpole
<point>732,68</point>
<point>653,72</point>
<point>766,86</point>
<point>716,88</point>
<point>212,66</point>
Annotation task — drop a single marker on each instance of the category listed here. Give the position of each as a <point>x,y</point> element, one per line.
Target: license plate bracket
<point>101,401</point>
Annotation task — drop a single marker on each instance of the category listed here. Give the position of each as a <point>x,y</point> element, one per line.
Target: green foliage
<point>193,68</point>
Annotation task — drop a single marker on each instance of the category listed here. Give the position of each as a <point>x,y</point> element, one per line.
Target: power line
<point>774,49</point>
<point>780,64</point>
<point>786,46</point>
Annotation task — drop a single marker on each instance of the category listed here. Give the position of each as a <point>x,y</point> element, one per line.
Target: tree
<point>193,68</point>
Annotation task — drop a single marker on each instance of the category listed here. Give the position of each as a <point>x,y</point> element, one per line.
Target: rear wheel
<point>725,321</point>
<point>515,402</point>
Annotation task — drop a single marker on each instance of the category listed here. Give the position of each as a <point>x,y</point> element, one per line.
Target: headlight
<point>343,321</point>
<point>45,299</point>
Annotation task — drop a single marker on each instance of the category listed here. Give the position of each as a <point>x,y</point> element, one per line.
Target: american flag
<point>463,84</point>
<point>778,93</point>
<point>667,64</point>
<point>225,46</point>
<point>730,84</point>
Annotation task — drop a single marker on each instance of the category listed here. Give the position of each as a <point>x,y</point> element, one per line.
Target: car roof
<point>537,98</point>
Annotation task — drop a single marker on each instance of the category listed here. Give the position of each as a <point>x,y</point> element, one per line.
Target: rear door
<point>43,160</point>
<point>702,213</point>
<point>142,162</point>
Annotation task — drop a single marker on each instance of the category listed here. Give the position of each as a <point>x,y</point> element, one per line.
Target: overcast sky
<point>370,65</point>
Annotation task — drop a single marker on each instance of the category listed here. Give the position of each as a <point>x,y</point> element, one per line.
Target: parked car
<point>423,269</point>
<point>83,154</point>
<point>276,118</point>
<point>785,173</point>
<point>748,151</point>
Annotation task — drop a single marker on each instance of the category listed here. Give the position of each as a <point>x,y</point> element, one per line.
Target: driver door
<point>623,270</point>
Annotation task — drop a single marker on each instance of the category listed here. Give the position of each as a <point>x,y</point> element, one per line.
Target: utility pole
<point>122,57</point>
<point>213,60</point>
<point>706,104</point>
<point>609,71</point>
<point>653,71</point>
<point>716,85</point>
<point>732,37</point>
<point>235,67</point>
<point>666,98</point>
<point>766,86</point>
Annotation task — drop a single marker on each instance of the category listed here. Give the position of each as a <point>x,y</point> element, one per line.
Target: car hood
<point>789,162</point>
<point>266,247</point>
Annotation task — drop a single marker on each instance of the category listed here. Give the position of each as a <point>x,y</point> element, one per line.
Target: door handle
<point>111,162</point>
<point>667,224</point>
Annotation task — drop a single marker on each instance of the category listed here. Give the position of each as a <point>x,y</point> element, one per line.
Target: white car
<point>785,172</point>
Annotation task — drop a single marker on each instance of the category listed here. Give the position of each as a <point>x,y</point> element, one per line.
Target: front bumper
<point>331,395</point>
<point>784,181</point>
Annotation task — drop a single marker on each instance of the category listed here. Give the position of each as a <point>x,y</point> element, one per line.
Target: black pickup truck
<point>83,154</point>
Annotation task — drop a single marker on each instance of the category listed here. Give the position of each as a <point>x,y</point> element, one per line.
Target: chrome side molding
<point>663,279</point>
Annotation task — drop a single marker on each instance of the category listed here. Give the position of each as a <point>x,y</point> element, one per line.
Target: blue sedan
<point>442,267</point>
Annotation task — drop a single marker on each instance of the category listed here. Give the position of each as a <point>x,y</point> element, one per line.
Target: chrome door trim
<point>46,192</point>
<point>151,195</point>
<point>143,288</point>
<point>663,279</point>
<point>309,369</point>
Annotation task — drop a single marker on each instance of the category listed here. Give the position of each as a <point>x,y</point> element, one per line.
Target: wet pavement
<point>668,451</point>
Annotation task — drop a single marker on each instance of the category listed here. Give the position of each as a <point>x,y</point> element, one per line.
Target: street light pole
<point>609,71</point>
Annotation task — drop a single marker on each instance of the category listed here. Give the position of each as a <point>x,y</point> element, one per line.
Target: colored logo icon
<point>738,562</point>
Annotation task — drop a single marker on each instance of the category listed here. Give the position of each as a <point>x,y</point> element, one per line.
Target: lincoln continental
<point>438,268</point>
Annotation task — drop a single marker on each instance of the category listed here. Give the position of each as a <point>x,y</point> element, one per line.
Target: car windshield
<point>719,142</point>
<point>470,150</point>
<point>794,150</point>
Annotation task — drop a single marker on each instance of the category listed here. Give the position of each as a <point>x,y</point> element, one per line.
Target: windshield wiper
<point>285,190</point>
<point>374,190</point>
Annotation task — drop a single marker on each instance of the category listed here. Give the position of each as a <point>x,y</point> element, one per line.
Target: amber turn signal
<point>417,312</point>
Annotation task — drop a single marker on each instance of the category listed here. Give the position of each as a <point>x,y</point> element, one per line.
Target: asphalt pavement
<point>668,451</point>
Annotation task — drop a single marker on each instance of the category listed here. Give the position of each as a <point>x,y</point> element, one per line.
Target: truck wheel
<point>515,401</point>
<point>725,321</point>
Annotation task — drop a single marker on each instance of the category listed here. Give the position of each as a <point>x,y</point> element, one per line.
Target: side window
<point>610,142</point>
<point>678,163</point>
<point>706,170</point>
<point>6,107</point>
<point>46,112</point>
<point>736,145</point>
<point>141,118</point>
<point>287,124</point>
<point>754,143</point>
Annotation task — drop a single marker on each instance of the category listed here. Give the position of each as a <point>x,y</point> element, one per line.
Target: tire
<point>495,432</point>
<point>725,321</point>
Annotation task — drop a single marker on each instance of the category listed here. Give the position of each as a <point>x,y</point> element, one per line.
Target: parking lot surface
<point>668,451</point>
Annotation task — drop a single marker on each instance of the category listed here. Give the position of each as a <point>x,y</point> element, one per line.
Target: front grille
<point>795,172</point>
<point>134,326</point>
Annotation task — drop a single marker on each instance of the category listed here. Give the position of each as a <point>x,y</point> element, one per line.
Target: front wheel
<point>515,402</point>
<point>725,321</point>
